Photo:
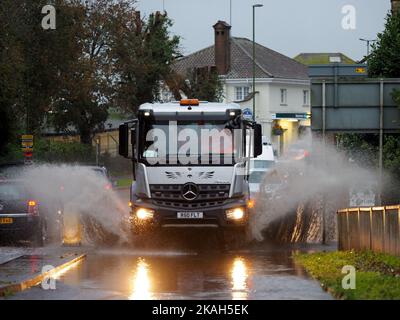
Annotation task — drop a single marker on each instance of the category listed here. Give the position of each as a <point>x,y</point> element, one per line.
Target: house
<point>282,85</point>
<point>323,58</point>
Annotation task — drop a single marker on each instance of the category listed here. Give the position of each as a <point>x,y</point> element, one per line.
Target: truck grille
<point>171,196</point>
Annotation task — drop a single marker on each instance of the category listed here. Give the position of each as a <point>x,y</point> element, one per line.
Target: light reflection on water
<point>142,288</point>
<point>239,274</point>
<point>142,284</point>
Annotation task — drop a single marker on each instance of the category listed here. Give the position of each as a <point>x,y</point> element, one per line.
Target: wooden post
<point>370,228</point>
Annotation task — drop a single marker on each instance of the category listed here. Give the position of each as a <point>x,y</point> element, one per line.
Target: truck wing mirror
<point>124,140</point>
<point>133,142</point>
<point>257,140</point>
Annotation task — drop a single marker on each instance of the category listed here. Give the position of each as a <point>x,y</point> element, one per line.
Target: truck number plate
<point>190,215</point>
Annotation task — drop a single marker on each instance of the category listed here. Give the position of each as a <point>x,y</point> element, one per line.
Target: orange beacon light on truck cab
<point>189,102</point>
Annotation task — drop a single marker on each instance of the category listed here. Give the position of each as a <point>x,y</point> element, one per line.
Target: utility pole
<point>381,136</point>
<point>230,13</point>
<point>97,151</point>
<point>368,44</point>
<point>254,58</point>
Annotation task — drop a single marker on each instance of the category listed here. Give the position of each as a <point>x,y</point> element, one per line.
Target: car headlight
<point>144,213</point>
<point>235,214</point>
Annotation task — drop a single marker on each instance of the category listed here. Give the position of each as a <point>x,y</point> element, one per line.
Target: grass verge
<point>377,274</point>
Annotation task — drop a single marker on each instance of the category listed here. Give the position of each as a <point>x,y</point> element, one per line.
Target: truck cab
<point>190,165</point>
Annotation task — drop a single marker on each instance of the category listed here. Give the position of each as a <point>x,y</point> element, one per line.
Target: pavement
<point>22,268</point>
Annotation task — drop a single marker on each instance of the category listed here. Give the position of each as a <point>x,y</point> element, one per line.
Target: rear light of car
<point>33,209</point>
<point>108,186</point>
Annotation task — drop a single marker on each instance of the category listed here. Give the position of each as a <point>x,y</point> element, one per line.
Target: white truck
<point>190,165</point>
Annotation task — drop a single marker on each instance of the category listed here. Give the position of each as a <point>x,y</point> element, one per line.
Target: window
<point>241,93</point>
<point>283,96</point>
<point>306,97</point>
<point>211,140</point>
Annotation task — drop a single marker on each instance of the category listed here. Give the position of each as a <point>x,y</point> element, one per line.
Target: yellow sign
<point>361,70</point>
<point>27,142</point>
<point>27,137</point>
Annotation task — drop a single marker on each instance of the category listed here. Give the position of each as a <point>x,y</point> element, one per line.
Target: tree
<point>200,83</point>
<point>101,54</point>
<point>203,84</point>
<point>11,77</point>
<point>31,62</point>
<point>384,60</point>
<point>142,54</point>
<point>84,96</point>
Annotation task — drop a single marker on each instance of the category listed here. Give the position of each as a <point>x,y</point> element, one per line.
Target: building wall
<point>268,103</point>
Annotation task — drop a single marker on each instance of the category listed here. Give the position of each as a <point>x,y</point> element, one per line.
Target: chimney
<point>395,6</point>
<point>222,32</point>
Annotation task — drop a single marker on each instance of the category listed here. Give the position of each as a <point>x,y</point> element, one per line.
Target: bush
<point>63,152</point>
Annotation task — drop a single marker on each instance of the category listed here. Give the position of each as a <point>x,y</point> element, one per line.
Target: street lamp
<point>254,58</point>
<point>368,42</point>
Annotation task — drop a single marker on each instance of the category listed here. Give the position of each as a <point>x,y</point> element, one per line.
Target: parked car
<point>102,172</point>
<point>21,217</point>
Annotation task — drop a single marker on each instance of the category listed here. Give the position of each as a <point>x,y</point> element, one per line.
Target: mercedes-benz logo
<point>190,191</point>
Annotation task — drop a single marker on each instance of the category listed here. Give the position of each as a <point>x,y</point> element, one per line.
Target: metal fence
<point>374,228</point>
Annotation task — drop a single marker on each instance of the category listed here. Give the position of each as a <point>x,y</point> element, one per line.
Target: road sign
<point>27,147</point>
<point>361,70</point>
<point>27,137</point>
<point>298,116</point>
<point>27,141</point>
<point>28,155</point>
<point>247,114</point>
<point>27,144</point>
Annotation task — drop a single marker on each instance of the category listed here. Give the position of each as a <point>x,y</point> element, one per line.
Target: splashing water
<point>298,196</point>
<point>81,192</point>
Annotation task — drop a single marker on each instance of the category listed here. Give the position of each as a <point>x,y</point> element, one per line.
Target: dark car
<point>20,215</point>
<point>102,172</point>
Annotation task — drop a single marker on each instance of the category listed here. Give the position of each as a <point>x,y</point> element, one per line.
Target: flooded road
<point>259,273</point>
<point>187,266</point>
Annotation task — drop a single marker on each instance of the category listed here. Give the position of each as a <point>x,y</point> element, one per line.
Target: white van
<point>259,167</point>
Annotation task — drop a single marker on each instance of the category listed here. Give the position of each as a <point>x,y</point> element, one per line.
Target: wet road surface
<point>261,272</point>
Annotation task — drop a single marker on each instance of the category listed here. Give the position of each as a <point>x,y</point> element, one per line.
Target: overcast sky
<point>287,26</point>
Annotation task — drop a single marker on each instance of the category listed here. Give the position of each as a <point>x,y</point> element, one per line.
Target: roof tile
<point>269,63</point>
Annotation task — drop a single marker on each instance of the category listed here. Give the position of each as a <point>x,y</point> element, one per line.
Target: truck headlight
<point>235,214</point>
<point>144,213</point>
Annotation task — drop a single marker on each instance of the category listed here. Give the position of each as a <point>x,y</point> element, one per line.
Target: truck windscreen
<point>189,142</point>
